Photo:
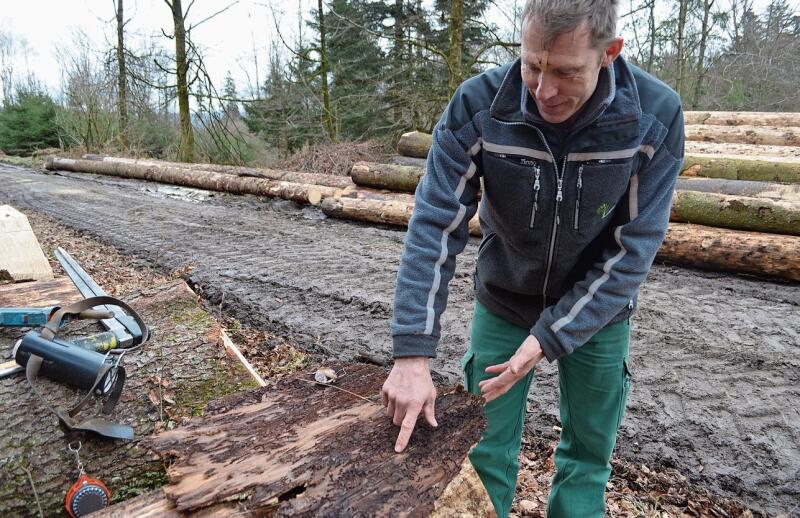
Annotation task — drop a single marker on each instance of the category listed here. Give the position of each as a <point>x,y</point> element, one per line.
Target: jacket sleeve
<point>612,282</point>
<point>445,201</point>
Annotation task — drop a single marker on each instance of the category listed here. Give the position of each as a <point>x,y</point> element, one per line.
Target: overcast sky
<point>229,41</point>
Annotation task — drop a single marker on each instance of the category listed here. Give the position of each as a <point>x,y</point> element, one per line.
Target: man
<point>579,153</point>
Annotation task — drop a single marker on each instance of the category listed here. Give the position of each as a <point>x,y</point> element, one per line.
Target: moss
<point>153,477</point>
<point>223,380</point>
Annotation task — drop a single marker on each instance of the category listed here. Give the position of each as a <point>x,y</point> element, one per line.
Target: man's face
<point>563,77</point>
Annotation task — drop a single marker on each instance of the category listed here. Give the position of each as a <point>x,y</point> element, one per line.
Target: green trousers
<point>594,382</point>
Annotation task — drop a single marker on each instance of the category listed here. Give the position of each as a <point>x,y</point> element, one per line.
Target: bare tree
<point>122,77</point>
<point>186,148</point>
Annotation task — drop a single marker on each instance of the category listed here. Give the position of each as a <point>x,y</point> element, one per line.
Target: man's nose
<point>547,88</point>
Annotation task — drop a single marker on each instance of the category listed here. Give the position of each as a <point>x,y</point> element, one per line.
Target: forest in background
<point>362,71</point>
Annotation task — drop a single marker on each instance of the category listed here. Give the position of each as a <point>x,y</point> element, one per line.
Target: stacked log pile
<point>745,185</point>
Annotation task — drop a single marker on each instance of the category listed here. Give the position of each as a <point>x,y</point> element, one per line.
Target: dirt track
<point>716,358</point>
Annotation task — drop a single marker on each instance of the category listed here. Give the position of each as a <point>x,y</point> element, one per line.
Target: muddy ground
<point>715,357</point>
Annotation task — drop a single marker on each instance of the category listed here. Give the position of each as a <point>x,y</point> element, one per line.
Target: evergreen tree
<point>28,123</point>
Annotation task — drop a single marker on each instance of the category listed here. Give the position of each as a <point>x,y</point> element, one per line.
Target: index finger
<point>407,427</point>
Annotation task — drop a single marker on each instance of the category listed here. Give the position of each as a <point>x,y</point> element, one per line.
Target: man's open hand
<point>408,391</point>
<point>529,354</point>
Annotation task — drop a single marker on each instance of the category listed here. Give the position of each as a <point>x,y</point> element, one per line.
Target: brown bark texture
<point>754,253</point>
<point>300,193</point>
<point>742,118</point>
<point>414,144</point>
<point>736,212</point>
<point>735,150</point>
<point>366,193</point>
<point>60,291</point>
<point>775,191</point>
<point>386,176</point>
<point>408,160</point>
<point>340,182</point>
<point>763,135</point>
<point>298,448</point>
<point>173,376</point>
<point>742,169</point>
<point>766,255</point>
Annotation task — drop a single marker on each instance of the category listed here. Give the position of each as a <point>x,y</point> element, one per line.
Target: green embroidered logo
<point>604,210</point>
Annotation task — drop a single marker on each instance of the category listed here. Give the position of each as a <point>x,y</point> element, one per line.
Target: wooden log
<point>414,144</point>
<point>785,136</point>
<point>366,193</point>
<point>340,182</point>
<point>300,193</point>
<point>754,253</point>
<point>778,255</point>
<point>742,118</point>
<point>775,191</point>
<point>741,169</point>
<point>736,212</point>
<point>386,176</point>
<point>21,258</point>
<point>408,160</point>
<point>301,448</point>
<point>736,150</point>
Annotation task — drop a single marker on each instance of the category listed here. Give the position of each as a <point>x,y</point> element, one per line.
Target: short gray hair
<point>557,17</point>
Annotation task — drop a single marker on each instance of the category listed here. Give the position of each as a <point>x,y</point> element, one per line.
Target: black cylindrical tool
<point>66,362</point>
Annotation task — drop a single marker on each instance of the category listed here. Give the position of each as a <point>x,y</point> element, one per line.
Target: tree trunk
<point>408,160</point>
<point>366,193</point>
<point>753,253</point>
<point>652,30</point>
<point>386,176</point>
<point>298,448</point>
<point>775,191</point>
<point>122,79</point>
<point>456,29</point>
<point>298,192</point>
<point>786,136</point>
<point>414,144</point>
<point>739,169</point>
<point>735,150</point>
<point>742,118</point>
<point>397,55</point>
<point>701,55</point>
<point>186,149</point>
<point>680,51</point>
<point>736,212</point>
<point>327,114</point>
<point>173,376</point>
<point>329,180</point>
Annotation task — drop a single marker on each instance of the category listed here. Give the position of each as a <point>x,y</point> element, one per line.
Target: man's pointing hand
<point>407,392</point>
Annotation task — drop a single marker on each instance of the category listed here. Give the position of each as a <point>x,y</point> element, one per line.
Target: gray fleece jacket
<point>571,222</point>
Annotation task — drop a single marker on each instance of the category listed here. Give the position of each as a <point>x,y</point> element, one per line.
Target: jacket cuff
<point>414,345</point>
<point>551,347</point>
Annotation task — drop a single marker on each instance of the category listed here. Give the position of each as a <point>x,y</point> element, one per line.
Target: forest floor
<point>712,416</point>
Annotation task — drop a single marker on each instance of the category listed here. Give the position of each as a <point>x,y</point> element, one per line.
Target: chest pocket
<point>512,186</point>
<point>599,192</point>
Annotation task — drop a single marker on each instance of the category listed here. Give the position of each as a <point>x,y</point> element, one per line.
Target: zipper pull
<point>536,186</point>
<point>578,198</point>
<point>559,194</point>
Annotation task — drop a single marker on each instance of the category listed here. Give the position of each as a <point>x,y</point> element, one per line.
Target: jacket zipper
<point>536,186</point>
<point>578,199</point>
<point>559,198</point>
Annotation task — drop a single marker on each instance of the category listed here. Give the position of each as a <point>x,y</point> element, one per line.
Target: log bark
<point>300,448</point>
<point>172,377</point>
<point>765,255</point>
<point>742,169</point>
<point>734,150</point>
<point>736,212</point>
<point>753,253</point>
<point>785,136</point>
<point>414,144</point>
<point>366,193</point>
<point>775,191</point>
<point>300,193</point>
<point>408,160</point>
<point>742,118</point>
<point>386,176</point>
<point>340,182</point>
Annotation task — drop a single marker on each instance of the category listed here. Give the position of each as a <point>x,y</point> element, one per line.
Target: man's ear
<point>612,51</point>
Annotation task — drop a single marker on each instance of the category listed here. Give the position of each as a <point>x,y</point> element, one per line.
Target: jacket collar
<point>617,102</point>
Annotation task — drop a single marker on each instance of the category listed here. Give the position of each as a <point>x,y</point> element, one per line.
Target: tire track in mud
<point>715,357</point>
